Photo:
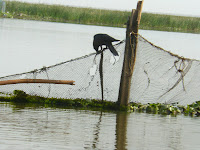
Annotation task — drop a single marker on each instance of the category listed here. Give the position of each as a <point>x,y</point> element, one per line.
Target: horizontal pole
<point>36,81</point>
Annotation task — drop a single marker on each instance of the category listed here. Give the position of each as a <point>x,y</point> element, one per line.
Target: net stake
<point>130,54</point>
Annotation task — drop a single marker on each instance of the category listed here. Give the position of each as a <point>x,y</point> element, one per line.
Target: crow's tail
<point>113,50</point>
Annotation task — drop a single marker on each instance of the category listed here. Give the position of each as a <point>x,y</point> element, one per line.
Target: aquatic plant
<point>20,97</point>
<point>167,109</point>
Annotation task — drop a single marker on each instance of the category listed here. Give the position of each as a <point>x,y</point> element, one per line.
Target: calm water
<point>28,45</point>
<point>47,128</point>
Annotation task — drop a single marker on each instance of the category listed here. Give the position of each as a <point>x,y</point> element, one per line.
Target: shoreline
<point>99,17</point>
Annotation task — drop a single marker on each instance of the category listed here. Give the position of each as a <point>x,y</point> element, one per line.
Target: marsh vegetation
<point>19,96</point>
<point>89,16</point>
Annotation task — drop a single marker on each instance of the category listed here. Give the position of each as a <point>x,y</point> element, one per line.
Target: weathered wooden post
<point>130,54</point>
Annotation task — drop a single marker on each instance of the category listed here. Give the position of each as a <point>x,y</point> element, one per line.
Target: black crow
<point>104,39</point>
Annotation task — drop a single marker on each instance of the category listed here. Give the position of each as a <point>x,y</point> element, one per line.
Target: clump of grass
<point>58,13</point>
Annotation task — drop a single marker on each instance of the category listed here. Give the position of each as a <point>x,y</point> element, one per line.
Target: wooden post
<point>36,81</point>
<point>130,54</point>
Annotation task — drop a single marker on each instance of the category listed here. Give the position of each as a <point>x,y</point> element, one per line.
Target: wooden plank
<point>17,81</point>
<point>130,54</point>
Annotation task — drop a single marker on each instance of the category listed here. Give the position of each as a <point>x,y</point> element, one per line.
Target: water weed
<point>20,97</point>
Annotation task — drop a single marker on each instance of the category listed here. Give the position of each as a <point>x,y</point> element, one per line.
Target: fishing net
<point>84,71</point>
<point>162,77</point>
<point>159,77</point>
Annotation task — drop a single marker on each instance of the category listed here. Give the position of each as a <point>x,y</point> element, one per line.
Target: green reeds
<point>170,23</point>
<point>58,13</point>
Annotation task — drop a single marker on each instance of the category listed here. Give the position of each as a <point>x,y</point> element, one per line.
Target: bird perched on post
<point>104,39</point>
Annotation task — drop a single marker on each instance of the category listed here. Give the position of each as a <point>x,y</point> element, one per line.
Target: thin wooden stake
<point>101,74</point>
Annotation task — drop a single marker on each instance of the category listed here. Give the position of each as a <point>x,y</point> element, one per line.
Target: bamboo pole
<point>36,81</point>
<point>130,54</point>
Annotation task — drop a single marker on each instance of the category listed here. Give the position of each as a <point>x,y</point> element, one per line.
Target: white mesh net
<point>84,71</point>
<point>162,77</point>
<point>159,77</point>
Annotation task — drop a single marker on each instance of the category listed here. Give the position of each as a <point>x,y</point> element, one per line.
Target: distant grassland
<point>58,13</point>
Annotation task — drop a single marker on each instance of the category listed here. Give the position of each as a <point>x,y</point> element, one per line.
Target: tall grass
<point>170,23</point>
<point>60,13</point>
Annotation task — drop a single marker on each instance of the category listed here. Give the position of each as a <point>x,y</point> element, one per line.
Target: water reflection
<point>96,132</point>
<point>121,130</point>
<point>40,127</point>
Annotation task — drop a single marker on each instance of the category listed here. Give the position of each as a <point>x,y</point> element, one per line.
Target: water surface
<point>25,127</point>
<point>27,45</point>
